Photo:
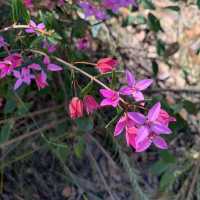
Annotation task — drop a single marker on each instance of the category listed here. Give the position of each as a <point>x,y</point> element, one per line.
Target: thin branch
<point>33,114</point>
<point>32,133</point>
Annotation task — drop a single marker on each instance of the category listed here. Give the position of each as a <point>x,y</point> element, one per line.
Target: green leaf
<point>190,107</point>
<point>10,106</point>
<point>85,124</point>
<point>160,46</point>
<point>6,132</point>
<point>79,148</point>
<point>78,28</point>
<point>174,8</point>
<point>87,89</point>
<point>147,4</point>
<point>155,68</point>
<point>159,167</point>
<point>167,157</point>
<point>167,180</point>
<point>114,79</point>
<point>153,23</point>
<point>19,11</point>
<point>198,3</point>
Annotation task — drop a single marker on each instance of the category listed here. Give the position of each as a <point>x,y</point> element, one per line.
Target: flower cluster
<point>99,11</point>
<point>140,130</point>
<point>24,74</point>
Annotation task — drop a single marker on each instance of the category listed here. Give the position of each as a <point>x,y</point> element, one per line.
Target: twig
<point>192,91</point>
<point>101,175</point>
<point>194,180</point>
<point>33,114</point>
<point>32,133</point>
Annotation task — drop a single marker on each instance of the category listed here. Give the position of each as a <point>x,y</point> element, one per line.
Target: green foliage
<point>6,131</point>
<point>153,23</point>
<point>19,12</point>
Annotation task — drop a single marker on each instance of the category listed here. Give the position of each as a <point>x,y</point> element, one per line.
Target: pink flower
<point>34,28</point>
<point>131,134</point>
<point>83,43</point>
<point>15,59</point>
<point>5,68</point>
<point>51,48</point>
<point>111,97</point>
<point>9,64</point>
<point>149,128</point>
<point>165,118</point>
<point>134,87</point>
<point>90,104</point>
<point>106,64</point>
<point>2,42</point>
<point>23,77</point>
<point>41,80</point>
<point>35,66</point>
<point>75,108</point>
<point>61,2</point>
<point>158,141</point>
<point>28,4</point>
<point>51,66</point>
<point>123,123</point>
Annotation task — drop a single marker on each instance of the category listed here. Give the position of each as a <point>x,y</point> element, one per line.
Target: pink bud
<point>165,118</point>
<point>41,80</point>
<point>106,64</point>
<point>75,108</point>
<point>90,104</point>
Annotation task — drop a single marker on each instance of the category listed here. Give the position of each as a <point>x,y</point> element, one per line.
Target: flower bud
<point>90,104</point>
<point>106,65</point>
<point>75,108</point>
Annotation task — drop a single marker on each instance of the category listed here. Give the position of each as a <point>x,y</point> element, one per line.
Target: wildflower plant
<point>50,54</point>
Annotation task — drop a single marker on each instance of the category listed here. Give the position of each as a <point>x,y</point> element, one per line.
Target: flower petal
<point>18,83</point>
<point>142,134</point>
<point>120,126</point>
<point>107,93</point>
<point>160,142</point>
<point>154,112</point>
<point>53,67</point>
<point>130,78</point>
<point>144,145</point>
<point>160,129</point>
<point>137,117</point>
<point>106,102</point>
<point>138,96</point>
<point>143,84</point>
<point>125,90</point>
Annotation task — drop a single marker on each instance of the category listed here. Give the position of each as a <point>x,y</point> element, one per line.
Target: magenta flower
<point>51,66</point>
<point>111,97</point>
<point>90,104</point>
<point>131,134</point>
<point>41,80</point>
<point>15,58</point>
<point>158,141</point>
<point>23,77</point>
<point>83,43</point>
<point>51,48</point>
<point>34,28</point>
<point>35,66</point>
<point>149,128</point>
<point>134,87</point>
<point>165,118</point>
<point>5,68</point>
<point>2,42</point>
<point>28,4</point>
<point>9,64</point>
<point>123,123</point>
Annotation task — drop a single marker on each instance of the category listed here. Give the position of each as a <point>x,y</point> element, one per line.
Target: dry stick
<point>33,114</point>
<point>194,179</point>
<point>32,133</point>
<point>101,175</point>
<point>14,26</point>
